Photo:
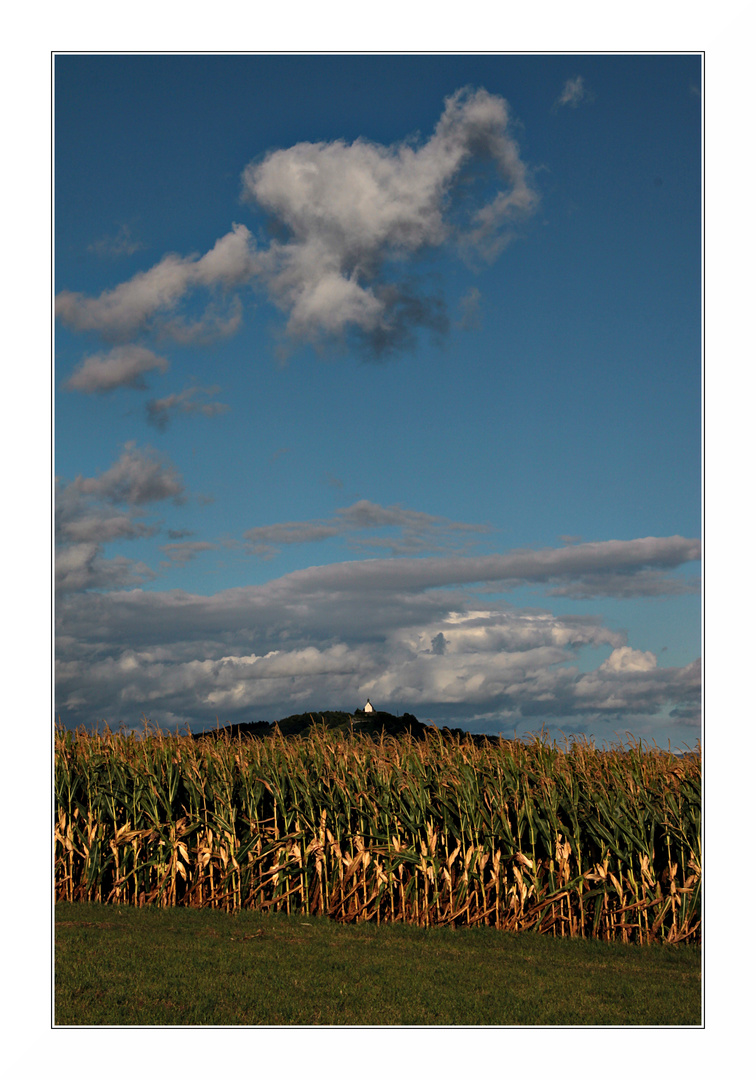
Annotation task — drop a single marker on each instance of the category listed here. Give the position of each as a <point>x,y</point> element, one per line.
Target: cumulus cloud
<point>626,659</point>
<point>632,690</point>
<point>512,665</point>
<point>349,227</point>
<point>574,92</point>
<point>352,213</point>
<point>400,631</point>
<point>135,305</point>
<point>160,409</point>
<point>417,531</point>
<point>125,365</point>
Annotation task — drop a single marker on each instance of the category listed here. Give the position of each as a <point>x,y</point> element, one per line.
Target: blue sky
<point>379,376</point>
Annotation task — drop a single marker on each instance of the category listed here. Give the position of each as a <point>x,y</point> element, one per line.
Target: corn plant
<point>518,835</point>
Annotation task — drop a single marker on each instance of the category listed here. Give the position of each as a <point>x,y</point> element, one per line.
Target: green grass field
<point>118,965</point>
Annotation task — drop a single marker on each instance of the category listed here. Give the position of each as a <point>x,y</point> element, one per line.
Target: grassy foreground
<point>121,965</point>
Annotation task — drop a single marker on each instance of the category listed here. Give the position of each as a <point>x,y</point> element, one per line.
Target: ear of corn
<point>518,835</point>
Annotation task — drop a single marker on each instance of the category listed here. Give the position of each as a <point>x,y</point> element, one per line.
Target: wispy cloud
<point>637,582</point>
<point>415,531</point>
<point>574,93</point>
<point>113,247</point>
<point>183,553</point>
<point>160,409</point>
<point>469,306</point>
<point>218,320</point>
<point>125,365</point>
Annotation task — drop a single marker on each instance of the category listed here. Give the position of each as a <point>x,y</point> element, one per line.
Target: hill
<point>359,723</point>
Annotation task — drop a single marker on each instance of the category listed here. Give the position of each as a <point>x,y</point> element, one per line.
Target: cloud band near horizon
<point>401,631</point>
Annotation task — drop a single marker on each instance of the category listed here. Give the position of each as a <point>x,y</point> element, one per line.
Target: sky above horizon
<point>379,376</point>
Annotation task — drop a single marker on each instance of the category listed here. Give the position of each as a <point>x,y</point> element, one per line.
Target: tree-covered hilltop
<point>375,723</point>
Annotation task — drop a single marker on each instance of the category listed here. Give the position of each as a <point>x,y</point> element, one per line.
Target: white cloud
<point>124,365</point>
<point>636,690</point>
<point>352,210</point>
<point>626,659</point>
<point>134,305</point>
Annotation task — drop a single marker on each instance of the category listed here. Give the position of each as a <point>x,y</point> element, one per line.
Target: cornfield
<point>519,835</point>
